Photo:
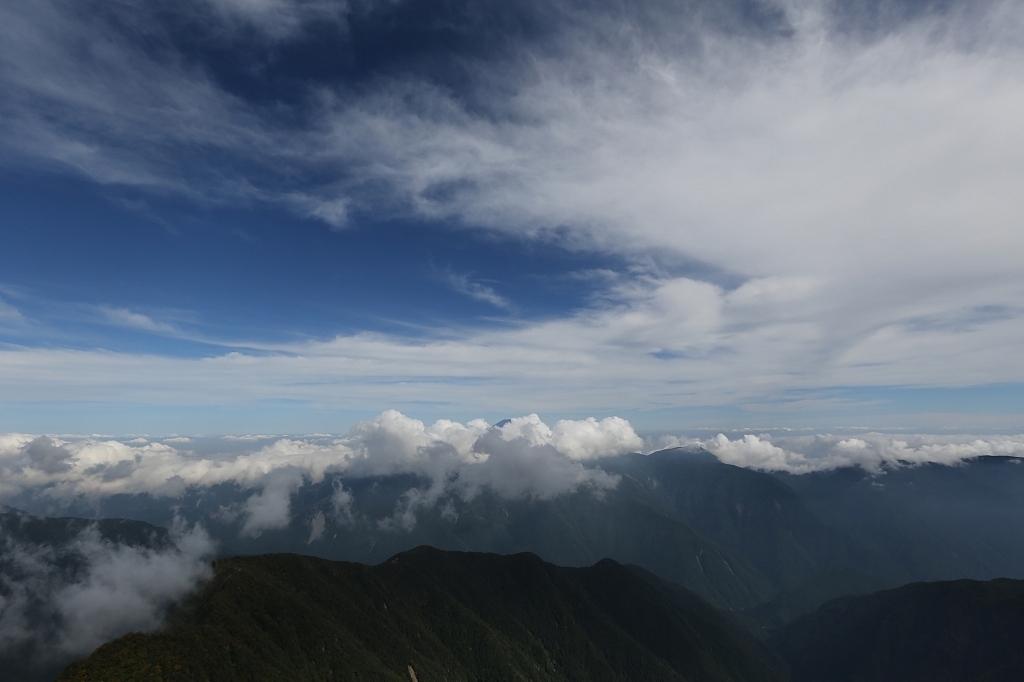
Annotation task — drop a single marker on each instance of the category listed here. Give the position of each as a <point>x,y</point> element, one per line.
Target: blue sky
<point>284,216</point>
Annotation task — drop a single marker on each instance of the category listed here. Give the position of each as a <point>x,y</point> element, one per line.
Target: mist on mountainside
<point>444,615</point>
<point>68,585</point>
<point>770,544</point>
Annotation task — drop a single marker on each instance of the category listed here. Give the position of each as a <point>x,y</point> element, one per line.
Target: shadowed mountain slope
<point>736,537</point>
<point>808,596</point>
<point>750,514</point>
<point>958,631</point>
<point>936,522</point>
<point>38,557</point>
<point>574,529</point>
<point>440,615</point>
<point>56,533</point>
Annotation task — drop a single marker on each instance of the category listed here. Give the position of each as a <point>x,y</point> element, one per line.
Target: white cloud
<point>94,468</point>
<point>271,507</point>
<point>858,187</point>
<point>529,428</point>
<point>9,314</point>
<point>123,317</point>
<point>873,451</point>
<point>665,343</point>
<point>524,459</point>
<point>119,589</point>
<point>278,19</point>
<point>317,527</point>
<point>755,453</point>
<point>334,212</point>
<point>341,503</point>
<point>579,440</point>
<point>481,292</point>
<point>543,471</point>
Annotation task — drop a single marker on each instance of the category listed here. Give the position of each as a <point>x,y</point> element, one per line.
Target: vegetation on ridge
<point>448,615</point>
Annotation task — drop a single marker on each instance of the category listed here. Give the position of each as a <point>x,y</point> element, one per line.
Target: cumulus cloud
<point>59,602</point>
<point>752,451</point>
<point>873,452</point>
<point>523,458</point>
<point>590,439</point>
<point>518,459</point>
<point>576,439</point>
<point>541,470</point>
<point>94,468</point>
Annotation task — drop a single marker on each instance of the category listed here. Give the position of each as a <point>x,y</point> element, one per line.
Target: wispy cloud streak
<point>861,178</point>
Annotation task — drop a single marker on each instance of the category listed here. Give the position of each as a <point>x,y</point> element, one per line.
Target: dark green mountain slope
<point>23,528</point>
<point>937,522</point>
<point>575,529</point>
<point>753,515</point>
<point>958,631</point>
<point>438,615</point>
<point>808,596</point>
<point>735,536</point>
<point>742,626</point>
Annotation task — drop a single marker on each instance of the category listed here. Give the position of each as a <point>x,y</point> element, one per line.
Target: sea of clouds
<point>873,452</point>
<point>521,458</point>
<point>120,588</point>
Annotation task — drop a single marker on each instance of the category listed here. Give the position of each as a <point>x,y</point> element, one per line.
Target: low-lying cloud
<point>873,452</point>
<point>58,601</point>
<point>524,457</point>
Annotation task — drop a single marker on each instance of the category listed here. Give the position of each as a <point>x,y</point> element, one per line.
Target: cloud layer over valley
<point>873,452</point>
<point>522,458</point>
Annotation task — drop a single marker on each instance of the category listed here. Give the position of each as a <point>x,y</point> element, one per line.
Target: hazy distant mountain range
<point>769,548</point>
<point>735,536</point>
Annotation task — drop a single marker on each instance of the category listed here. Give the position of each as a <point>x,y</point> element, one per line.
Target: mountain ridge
<point>447,615</point>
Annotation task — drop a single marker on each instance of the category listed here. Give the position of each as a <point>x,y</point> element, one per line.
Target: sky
<point>289,216</point>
